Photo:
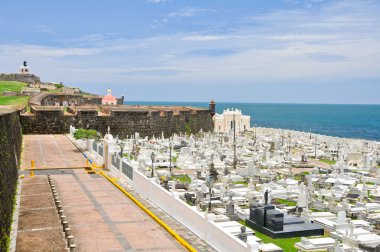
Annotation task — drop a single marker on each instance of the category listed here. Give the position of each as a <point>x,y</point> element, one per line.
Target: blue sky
<point>298,51</point>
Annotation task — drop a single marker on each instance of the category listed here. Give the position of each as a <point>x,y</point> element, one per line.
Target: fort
<point>53,112</point>
<point>122,120</point>
<point>27,78</point>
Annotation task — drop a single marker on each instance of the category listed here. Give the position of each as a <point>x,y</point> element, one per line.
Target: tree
<point>188,129</point>
<point>213,172</point>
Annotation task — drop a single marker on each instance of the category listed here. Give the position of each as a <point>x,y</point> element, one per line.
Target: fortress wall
<point>52,99</point>
<point>10,142</point>
<point>122,122</point>
<point>72,99</point>
<point>28,78</point>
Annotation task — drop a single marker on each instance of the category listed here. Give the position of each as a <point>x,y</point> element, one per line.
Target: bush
<point>59,85</point>
<point>86,134</point>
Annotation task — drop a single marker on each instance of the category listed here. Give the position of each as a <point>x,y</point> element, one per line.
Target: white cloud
<point>203,37</point>
<point>336,41</point>
<point>187,12</point>
<point>45,29</point>
<point>158,1</point>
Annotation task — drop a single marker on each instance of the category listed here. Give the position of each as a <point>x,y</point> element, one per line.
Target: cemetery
<point>266,179</point>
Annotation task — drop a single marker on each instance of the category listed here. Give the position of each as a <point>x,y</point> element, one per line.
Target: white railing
<point>188,216</point>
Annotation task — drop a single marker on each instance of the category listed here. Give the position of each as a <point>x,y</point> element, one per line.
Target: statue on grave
<point>243,235</point>
<point>266,194</point>
<point>226,171</point>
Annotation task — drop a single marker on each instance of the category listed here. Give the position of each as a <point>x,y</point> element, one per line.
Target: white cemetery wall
<point>181,211</point>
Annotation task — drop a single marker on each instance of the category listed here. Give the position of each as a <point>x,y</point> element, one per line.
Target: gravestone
<point>230,210</point>
<point>341,217</point>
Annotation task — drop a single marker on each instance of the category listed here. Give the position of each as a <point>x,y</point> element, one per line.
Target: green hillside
<point>14,100</point>
<point>11,86</point>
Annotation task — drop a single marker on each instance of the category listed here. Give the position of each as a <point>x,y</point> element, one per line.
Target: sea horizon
<point>295,103</point>
<point>356,121</point>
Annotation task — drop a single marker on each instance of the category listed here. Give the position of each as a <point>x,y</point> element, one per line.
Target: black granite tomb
<point>272,222</point>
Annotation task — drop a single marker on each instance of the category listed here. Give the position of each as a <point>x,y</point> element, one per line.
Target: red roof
<point>109,98</point>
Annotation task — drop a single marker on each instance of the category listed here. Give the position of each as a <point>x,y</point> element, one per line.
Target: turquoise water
<point>351,121</point>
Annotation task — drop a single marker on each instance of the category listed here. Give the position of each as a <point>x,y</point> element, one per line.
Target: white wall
<point>185,214</point>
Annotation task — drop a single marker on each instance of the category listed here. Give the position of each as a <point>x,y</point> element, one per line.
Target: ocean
<point>348,121</point>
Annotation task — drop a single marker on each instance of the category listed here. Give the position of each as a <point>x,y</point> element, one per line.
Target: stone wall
<point>122,121</point>
<point>28,78</point>
<point>10,142</point>
<point>51,99</point>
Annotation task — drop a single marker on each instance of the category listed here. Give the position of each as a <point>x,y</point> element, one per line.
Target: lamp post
<point>152,156</point>
<point>315,147</point>
<point>212,178</point>
<point>170,157</point>
<point>337,153</point>
<point>121,146</point>
<point>210,183</point>
<point>235,160</point>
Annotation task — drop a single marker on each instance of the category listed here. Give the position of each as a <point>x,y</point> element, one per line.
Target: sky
<point>282,51</point>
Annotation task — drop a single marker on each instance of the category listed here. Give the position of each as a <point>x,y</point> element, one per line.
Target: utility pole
<point>170,156</point>
<point>235,161</point>
<point>315,148</point>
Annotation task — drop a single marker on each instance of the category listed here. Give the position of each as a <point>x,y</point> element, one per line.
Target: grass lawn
<point>14,100</point>
<point>183,179</point>
<point>287,244</point>
<point>286,202</point>
<point>327,161</point>
<point>241,183</point>
<point>11,86</point>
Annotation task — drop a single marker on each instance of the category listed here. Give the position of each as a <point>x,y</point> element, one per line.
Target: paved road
<point>103,219</point>
<point>100,216</point>
<point>50,151</point>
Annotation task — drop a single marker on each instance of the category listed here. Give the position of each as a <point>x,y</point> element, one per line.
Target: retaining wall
<point>122,122</point>
<point>28,78</point>
<point>10,150</point>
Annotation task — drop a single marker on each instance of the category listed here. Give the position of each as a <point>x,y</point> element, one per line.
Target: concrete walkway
<point>196,242</point>
<point>103,219</point>
<point>50,152</point>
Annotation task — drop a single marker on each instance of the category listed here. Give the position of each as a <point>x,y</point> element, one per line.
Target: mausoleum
<point>225,122</point>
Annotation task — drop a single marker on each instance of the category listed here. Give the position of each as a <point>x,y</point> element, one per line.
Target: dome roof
<point>109,98</point>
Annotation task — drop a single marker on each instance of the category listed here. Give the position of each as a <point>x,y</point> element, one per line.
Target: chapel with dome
<point>109,99</point>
